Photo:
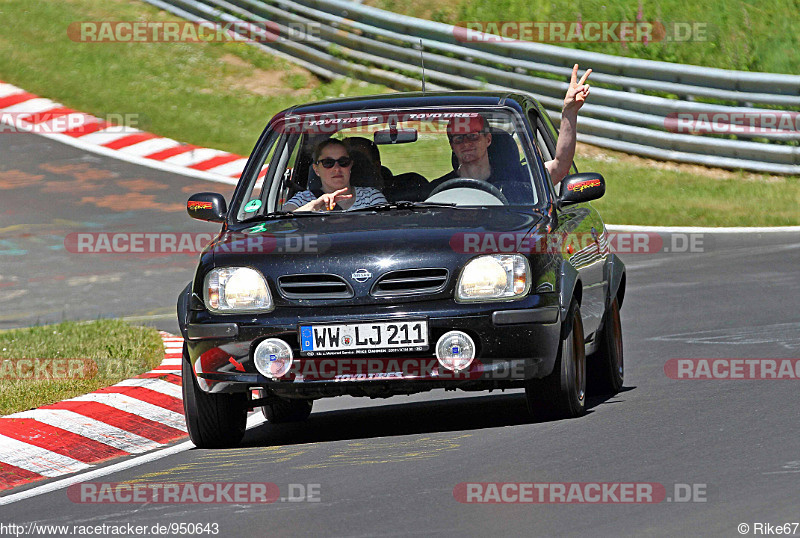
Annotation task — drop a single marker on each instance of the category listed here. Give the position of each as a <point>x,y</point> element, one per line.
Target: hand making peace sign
<point>578,91</point>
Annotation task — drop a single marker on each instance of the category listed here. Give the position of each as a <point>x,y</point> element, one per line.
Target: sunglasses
<point>328,162</point>
<point>469,137</point>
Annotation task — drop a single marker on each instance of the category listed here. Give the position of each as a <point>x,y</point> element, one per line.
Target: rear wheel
<point>606,365</point>
<point>213,420</point>
<point>285,410</point>
<point>562,394</point>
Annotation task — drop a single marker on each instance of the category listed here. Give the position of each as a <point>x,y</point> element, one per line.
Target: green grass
<point>749,35</point>
<point>114,349</point>
<point>659,195</point>
<point>221,95</point>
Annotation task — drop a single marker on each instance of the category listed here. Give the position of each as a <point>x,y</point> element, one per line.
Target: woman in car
<point>332,163</point>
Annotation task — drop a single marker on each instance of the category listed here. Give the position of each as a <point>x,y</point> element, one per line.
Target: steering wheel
<point>470,183</point>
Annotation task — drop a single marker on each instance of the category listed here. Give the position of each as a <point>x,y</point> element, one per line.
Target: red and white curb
<point>26,112</point>
<point>134,416</point>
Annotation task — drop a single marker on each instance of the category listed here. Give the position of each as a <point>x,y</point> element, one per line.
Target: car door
<point>581,231</point>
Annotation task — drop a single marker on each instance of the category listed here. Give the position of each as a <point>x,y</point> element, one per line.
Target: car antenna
<point>422,62</point>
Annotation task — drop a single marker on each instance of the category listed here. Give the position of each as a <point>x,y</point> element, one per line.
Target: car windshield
<point>385,160</point>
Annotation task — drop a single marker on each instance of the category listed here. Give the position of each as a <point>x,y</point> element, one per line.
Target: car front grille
<point>314,286</point>
<point>410,282</point>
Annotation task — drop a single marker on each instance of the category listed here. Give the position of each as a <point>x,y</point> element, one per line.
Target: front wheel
<point>213,420</point>
<point>562,394</point>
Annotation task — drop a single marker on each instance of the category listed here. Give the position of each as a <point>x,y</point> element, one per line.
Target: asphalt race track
<point>389,467</point>
<point>49,193</point>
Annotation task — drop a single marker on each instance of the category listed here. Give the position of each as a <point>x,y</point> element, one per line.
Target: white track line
<point>695,229</point>
<point>91,428</point>
<point>158,385</point>
<point>97,473</point>
<point>253,420</point>
<point>129,404</point>
<point>37,460</point>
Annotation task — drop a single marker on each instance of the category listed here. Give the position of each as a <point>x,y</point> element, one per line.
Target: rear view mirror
<point>579,188</point>
<point>395,136</point>
<point>208,206</point>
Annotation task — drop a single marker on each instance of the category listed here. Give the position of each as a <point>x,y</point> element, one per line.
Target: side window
<point>254,196</point>
<point>542,141</point>
<point>545,143</point>
<point>279,181</point>
<point>291,176</point>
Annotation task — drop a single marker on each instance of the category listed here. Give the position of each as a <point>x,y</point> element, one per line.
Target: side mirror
<point>208,206</point>
<point>579,188</point>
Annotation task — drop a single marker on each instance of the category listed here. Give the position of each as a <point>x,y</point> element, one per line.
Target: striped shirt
<point>365,197</point>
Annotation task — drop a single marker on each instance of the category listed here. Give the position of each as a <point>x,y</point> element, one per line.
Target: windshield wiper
<point>387,206</point>
<point>401,205</point>
<point>283,215</point>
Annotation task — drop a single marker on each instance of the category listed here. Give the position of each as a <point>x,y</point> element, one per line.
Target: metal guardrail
<point>383,47</point>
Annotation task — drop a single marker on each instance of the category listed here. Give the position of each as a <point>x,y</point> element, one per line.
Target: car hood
<point>373,243</point>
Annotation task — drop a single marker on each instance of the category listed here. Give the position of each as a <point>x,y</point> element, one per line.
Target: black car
<point>360,257</point>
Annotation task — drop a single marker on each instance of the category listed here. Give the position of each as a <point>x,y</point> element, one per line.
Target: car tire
<point>213,420</point>
<point>562,394</point>
<point>606,365</point>
<point>287,410</point>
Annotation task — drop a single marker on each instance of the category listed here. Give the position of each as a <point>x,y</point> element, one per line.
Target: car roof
<point>412,100</point>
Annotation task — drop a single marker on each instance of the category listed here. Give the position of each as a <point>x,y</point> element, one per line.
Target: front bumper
<point>514,341</point>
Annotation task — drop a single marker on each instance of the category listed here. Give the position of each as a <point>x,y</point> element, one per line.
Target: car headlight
<point>496,277</point>
<point>236,289</point>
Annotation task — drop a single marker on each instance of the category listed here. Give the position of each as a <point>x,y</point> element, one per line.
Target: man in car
<point>470,140</point>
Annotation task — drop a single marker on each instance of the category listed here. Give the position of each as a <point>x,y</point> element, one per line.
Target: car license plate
<point>361,338</point>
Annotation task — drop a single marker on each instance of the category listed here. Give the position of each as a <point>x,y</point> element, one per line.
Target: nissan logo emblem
<point>361,275</point>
